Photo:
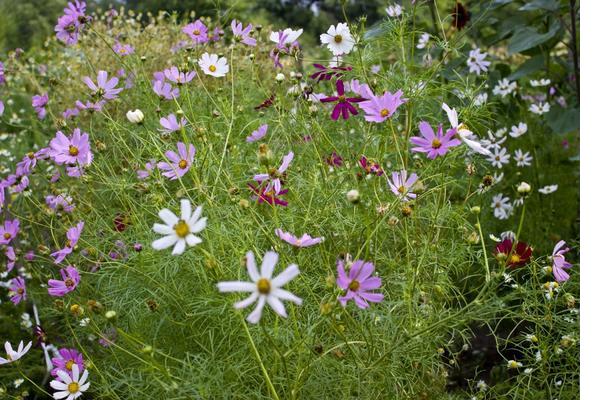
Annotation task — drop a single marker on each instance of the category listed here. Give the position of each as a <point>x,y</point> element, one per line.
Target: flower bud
<point>476,210</point>
<point>135,117</point>
<point>353,196</point>
<point>524,188</point>
<point>110,314</point>
<point>280,77</point>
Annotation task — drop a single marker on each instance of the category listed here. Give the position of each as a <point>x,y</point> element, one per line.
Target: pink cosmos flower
<point>559,264</point>
<point>17,290</point>
<point>39,103</point>
<point>65,361</point>
<point>305,241</point>
<point>171,125</point>
<point>90,105</point>
<point>149,167</point>
<point>165,90</point>
<point>73,235</point>
<point>70,280</point>
<point>401,183</point>
<point>258,134</point>
<point>60,203</point>
<point>344,104</point>
<point>380,108</point>
<point>434,144</point>
<point>334,160</point>
<point>359,283</point>
<point>274,176</point>
<point>74,150</point>
<point>105,87</point>
<point>370,166</point>
<point>179,163</point>
<point>123,49</point>
<point>9,252</point>
<point>268,194</point>
<point>9,231</point>
<point>197,31</point>
<point>67,29</point>
<point>179,77</point>
<point>242,34</point>
<point>1,107</point>
<point>29,161</point>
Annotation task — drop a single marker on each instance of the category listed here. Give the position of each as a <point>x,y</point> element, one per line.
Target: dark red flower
<point>267,194</point>
<point>326,73</point>
<point>370,167</point>
<point>513,255</point>
<point>334,160</point>
<point>120,222</point>
<point>460,16</point>
<point>344,104</point>
<point>266,104</point>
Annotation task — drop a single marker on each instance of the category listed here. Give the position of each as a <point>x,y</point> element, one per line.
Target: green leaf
<point>563,121</point>
<point>527,37</point>
<point>528,67</point>
<point>549,5</point>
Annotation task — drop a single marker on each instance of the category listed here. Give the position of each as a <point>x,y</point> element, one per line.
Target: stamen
<point>263,285</point>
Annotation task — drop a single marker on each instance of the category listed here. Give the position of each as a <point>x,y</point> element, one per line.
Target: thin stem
<point>485,257</point>
<point>262,366</point>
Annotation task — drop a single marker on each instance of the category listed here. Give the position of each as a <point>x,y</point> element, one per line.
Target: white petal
<point>162,229</point>
<point>58,385</point>
<point>75,372</point>
<point>165,242</point>
<point>186,209</point>
<point>268,264</point>
<point>168,217</point>
<point>195,215</point>
<point>277,306</point>
<point>64,376</point>
<point>83,377</point>
<point>179,247</point>
<point>251,265</point>
<point>60,395</point>
<point>236,286</point>
<point>84,387</point>
<point>285,295</point>
<point>255,315</point>
<point>198,226</point>
<point>287,275</point>
<point>247,301</point>
<point>192,240</point>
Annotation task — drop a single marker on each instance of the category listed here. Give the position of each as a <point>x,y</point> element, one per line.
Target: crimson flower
<point>344,104</point>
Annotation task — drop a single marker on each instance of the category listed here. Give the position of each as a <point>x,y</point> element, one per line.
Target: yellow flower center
<point>401,189</point>
<point>20,291</point>
<point>73,151</point>
<point>196,31</point>
<point>7,236</point>
<point>182,164</point>
<point>69,282</point>
<point>212,68</point>
<point>338,38</point>
<point>73,387</point>
<point>69,364</point>
<point>354,285</point>
<point>385,112</point>
<point>182,229</point>
<point>515,258</point>
<point>436,144</point>
<point>263,285</point>
<point>31,155</point>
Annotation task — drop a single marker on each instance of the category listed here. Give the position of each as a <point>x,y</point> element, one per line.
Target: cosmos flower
<point>359,283</point>
<point>433,144</point>
<point>326,73</point>
<point>65,361</point>
<point>14,355</point>
<point>559,264</point>
<point>286,36</point>
<point>338,39</point>
<point>501,206</point>
<point>513,255</point>
<point>179,231</point>
<point>460,16</point>
<point>268,194</point>
<point>343,104</point>
<point>423,40</point>
<point>263,288</point>
<point>180,162</point>
<point>380,108</point>
<point>17,290</point>
<point>60,203</point>
<point>197,31</point>
<point>499,157</point>
<point>522,159</point>
<point>70,387</point>
<point>334,160</point>
<point>70,280</point>
<point>504,87</point>
<point>123,49</point>
<point>539,108</point>
<point>257,134</point>
<point>274,177</point>
<point>242,34</point>
<point>165,90</point>
<point>394,10</point>
<point>370,166</point>
<point>68,29</point>
<point>304,241</point>
<point>11,256</point>
<point>401,183</point>
<point>73,235</point>
<point>90,106</point>
<point>148,168</point>
<point>39,104</point>
<point>548,189</point>
<point>476,61</point>
<point>518,130</point>
<point>179,77</point>
<point>9,231</point>
<point>213,65</point>
<point>464,133</point>
<point>171,125</point>
<point>105,87</point>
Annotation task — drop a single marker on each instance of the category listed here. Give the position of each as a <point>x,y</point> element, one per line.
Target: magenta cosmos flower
<point>179,77</point>
<point>123,49</point>
<point>274,176</point>
<point>70,280</point>
<point>171,125</point>
<point>73,235</point>
<point>197,31</point>
<point>268,194</point>
<point>105,87</point>
<point>559,264</point>
<point>180,163</point>
<point>65,361</point>
<point>380,108</point>
<point>434,144</point>
<point>401,183</point>
<point>242,34</point>
<point>326,73</point>
<point>17,290</point>
<point>9,231</point>
<point>74,150</point>
<point>344,104</point>
<point>304,241</point>
<point>359,283</point>
<point>370,166</point>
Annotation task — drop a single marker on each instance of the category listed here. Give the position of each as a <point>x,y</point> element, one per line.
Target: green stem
<point>262,366</point>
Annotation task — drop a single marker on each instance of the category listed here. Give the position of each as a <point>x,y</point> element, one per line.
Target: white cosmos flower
<point>263,289</point>
<point>541,82</point>
<point>522,159</point>
<point>179,231</point>
<point>480,99</point>
<point>539,108</point>
<point>290,35</point>
<point>504,87</point>
<point>12,355</point>
<point>548,189</point>
<point>395,10</point>
<point>518,130</point>
<point>499,157</point>
<point>502,207</point>
<point>423,40</point>
<point>211,64</point>
<point>338,39</point>
<point>70,388</point>
<point>464,133</point>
